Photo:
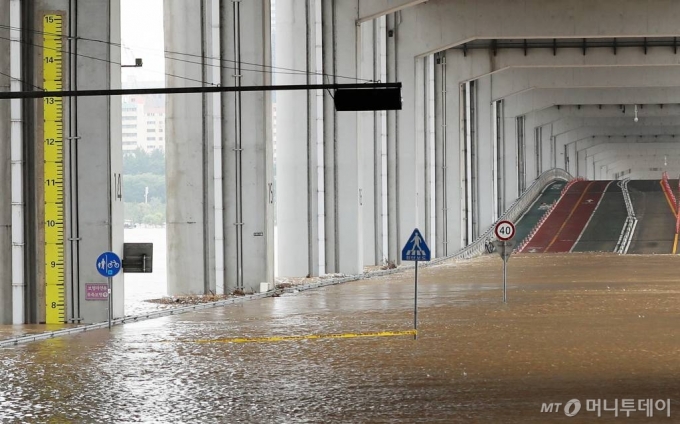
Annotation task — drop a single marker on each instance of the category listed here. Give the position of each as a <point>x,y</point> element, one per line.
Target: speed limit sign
<point>505,230</point>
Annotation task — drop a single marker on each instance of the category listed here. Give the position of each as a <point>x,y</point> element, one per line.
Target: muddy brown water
<point>577,326</point>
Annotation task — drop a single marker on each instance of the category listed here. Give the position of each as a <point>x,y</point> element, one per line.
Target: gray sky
<point>142,36</point>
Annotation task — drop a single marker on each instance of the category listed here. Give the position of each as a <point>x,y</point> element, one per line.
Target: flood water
<point>141,287</point>
<point>577,326</point>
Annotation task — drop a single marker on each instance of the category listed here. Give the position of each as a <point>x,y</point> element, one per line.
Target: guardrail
<point>513,213</point>
<point>631,220</point>
<point>665,184</point>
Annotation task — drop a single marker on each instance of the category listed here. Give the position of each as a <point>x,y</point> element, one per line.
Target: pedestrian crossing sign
<point>415,249</point>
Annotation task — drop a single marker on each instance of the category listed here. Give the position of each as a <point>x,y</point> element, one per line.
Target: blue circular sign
<point>108,264</point>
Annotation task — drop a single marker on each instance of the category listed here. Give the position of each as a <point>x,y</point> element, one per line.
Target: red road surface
<point>566,223</point>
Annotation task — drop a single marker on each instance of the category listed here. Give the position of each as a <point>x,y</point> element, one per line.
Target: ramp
<point>527,222</point>
<point>562,229</point>
<point>604,229</point>
<point>655,231</point>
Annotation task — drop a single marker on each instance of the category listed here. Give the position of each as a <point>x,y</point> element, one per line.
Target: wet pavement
<point>583,326</point>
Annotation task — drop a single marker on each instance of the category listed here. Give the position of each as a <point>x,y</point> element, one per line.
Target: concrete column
<point>185,142</point>
<point>430,155</point>
<point>99,156</point>
<point>296,150</point>
<point>5,174</point>
<point>410,160</point>
<point>453,184</point>
<point>344,217</point>
<point>510,160</point>
<point>440,119</point>
<point>546,160</point>
<point>367,121</point>
<point>329,142</point>
<point>380,149</point>
<point>247,159</point>
<point>93,157</point>
<point>485,158</point>
<point>393,175</point>
<point>530,148</point>
<point>449,161</point>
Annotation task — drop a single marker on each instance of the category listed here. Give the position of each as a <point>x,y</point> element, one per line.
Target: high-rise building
<point>144,122</point>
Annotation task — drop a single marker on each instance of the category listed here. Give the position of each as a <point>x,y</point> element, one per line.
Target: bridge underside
<point>494,94</point>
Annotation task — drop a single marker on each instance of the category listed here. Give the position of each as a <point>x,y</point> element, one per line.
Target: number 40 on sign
<point>505,230</point>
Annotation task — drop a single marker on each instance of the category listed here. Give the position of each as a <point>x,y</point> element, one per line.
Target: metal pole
<point>415,306</point>
<point>109,303</point>
<point>505,275</point>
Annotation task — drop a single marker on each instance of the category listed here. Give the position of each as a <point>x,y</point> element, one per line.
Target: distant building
<point>144,122</point>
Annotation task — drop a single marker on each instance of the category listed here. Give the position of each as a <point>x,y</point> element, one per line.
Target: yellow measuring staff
<point>53,181</point>
<point>308,337</point>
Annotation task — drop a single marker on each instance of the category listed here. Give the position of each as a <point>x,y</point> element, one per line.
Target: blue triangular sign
<point>415,249</point>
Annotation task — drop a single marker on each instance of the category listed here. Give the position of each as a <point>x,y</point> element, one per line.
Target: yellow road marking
<point>308,337</point>
<point>568,217</point>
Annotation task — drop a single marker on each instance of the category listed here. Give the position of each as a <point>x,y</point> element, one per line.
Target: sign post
<point>415,250</point>
<point>108,265</point>
<point>505,231</point>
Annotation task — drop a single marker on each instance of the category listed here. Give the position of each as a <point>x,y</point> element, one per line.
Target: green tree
<point>134,187</point>
<point>141,162</point>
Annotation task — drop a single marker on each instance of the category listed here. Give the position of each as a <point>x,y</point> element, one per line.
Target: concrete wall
<point>247,160</point>
<point>99,152</point>
<point>185,139</point>
<point>5,175</point>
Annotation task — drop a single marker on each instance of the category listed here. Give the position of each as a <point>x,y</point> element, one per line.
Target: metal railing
<point>629,225</point>
<point>513,213</point>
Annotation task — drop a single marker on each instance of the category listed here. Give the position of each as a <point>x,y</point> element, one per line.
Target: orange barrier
<point>674,205</point>
<point>669,192</point>
<point>677,217</point>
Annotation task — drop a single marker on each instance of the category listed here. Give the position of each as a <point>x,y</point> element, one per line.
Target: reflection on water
<point>581,326</point>
<point>140,287</point>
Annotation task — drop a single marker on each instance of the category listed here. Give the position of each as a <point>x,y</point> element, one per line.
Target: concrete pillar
<point>99,155</point>
<point>510,159</point>
<point>296,150</point>
<point>449,161</point>
<point>367,121</point>
<point>393,172</point>
<point>546,149</point>
<point>453,183</point>
<point>381,208</point>
<point>342,147</point>
<point>5,174</point>
<point>247,159</point>
<point>440,119</point>
<point>410,159</point>
<point>485,155</point>
<point>93,200</point>
<point>430,155</point>
<point>530,148</point>
<point>187,193</point>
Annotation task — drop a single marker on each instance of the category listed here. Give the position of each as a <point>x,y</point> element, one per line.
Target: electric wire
<point>103,60</point>
<point>290,71</point>
<point>22,81</point>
